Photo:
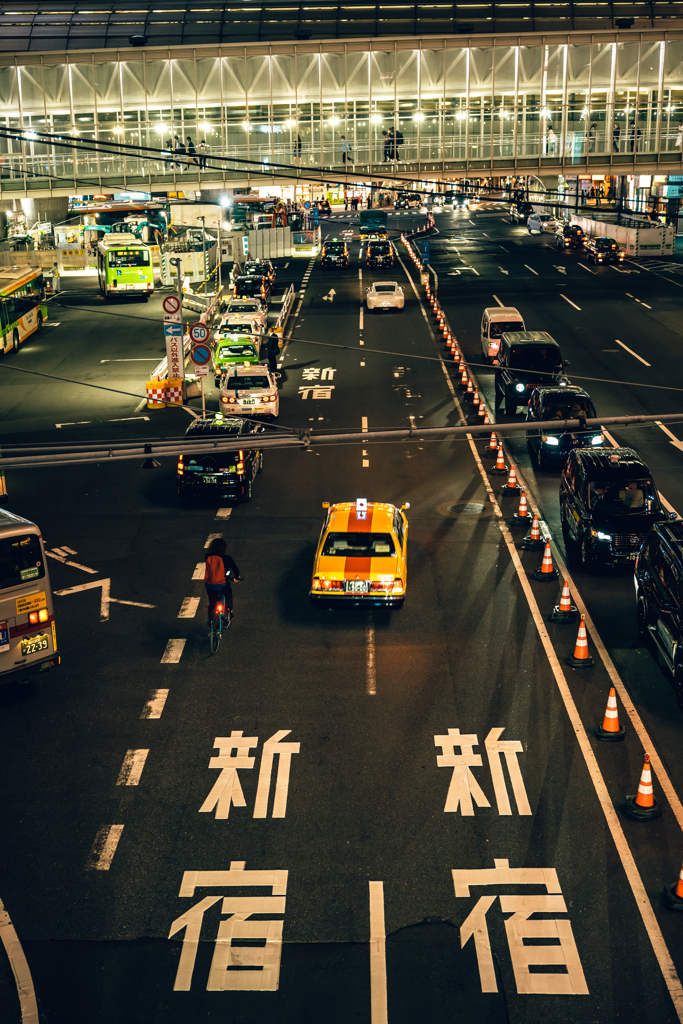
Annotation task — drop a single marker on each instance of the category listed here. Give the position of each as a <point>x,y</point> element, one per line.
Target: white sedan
<point>249,391</point>
<point>248,310</point>
<point>542,222</point>
<point>229,328</point>
<point>385,295</point>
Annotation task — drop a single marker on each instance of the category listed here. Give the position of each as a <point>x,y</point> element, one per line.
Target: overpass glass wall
<point>406,105</point>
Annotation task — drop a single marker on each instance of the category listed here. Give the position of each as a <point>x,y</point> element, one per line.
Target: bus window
<point>21,560</point>
<point>128,257</point>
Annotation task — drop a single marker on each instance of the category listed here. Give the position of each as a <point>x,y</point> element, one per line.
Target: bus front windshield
<point>128,258</point>
<point>21,560</point>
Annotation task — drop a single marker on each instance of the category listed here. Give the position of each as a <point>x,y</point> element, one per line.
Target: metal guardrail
<point>287,303</point>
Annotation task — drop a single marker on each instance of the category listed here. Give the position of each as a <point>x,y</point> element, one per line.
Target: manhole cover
<point>464,509</point>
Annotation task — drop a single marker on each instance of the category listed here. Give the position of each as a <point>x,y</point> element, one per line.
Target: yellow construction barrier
<point>156,394</point>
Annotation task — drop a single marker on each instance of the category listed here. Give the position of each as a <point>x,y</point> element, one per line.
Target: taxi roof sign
<point>361,508</point>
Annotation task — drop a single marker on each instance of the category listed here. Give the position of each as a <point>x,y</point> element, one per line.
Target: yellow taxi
<point>361,557</point>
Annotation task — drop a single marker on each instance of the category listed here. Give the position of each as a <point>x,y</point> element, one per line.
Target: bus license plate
<point>357,586</point>
<point>33,644</point>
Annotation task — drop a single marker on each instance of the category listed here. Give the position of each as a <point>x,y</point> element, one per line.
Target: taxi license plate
<point>210,479</point>
<point>33,644</point>
<point>356,586</point>
<point>248,401</point>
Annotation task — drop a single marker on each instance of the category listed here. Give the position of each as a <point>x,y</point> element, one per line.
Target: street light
<point>203,220</point>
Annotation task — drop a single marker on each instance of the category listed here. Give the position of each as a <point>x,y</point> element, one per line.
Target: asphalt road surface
<point>350,815</point>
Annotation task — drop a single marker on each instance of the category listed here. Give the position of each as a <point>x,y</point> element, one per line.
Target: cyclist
<point>219,570</point>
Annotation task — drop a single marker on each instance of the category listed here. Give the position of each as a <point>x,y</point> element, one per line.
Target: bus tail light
<point>43,615</point>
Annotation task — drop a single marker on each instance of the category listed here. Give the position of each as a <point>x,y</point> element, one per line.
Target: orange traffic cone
<point>463,379</point>
<point>511,487</point>
<point>461,365</point>
<point>674,893</point>
<point>609,731</point>
<point>492,449</point>
<point>486,418</point>
<point>565,611</point>
<point>580,658</point>
<point>522,513</point>
<point>500,469</point>
<point>470,386</point>
<point>643,805</point>
<point>475,398</point>
<point>482,410</point>
<point>456,351</point>
<point>547,570</point>
<point>533,540</point>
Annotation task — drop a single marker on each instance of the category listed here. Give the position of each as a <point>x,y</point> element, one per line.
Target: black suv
<point>335,254</point>
<point>519,212</point>
<point>608,503</point>
<point>603,250</point>
<point>252,286</point>
<point>260,268</point>
<point>558,403</point>
<point>229,474</point>
<point>380,254</point>
<point>526,360</point>
<point>659,587</point>
<point>569,236</point>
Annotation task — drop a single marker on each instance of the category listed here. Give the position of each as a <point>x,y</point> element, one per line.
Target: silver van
<point>494,323</point>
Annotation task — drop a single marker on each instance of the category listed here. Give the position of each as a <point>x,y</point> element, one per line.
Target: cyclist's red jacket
<point>219,569</point>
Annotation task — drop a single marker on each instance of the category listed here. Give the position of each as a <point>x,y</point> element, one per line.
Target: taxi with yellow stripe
<point>361,555</point>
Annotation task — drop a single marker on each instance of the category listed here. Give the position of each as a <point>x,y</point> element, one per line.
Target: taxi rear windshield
<point>227,351</point>
<point>257,270</point>
<point>243,307</point>
<point>359,545</point>
<point>336,248</point>
<point>528,357</point>
<point>236,328</point>
<point>383,249</point>
<point>605,243</point>
<point>128,258</point>
<point>247,383</point>
<point>21,560</point>
<point>252,286</point>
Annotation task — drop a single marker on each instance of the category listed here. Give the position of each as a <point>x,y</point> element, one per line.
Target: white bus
<point>28,641</point>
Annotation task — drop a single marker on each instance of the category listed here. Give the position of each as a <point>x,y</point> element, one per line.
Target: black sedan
<point>569,236</point>
<point>551,447</point>
<point>223,475</point>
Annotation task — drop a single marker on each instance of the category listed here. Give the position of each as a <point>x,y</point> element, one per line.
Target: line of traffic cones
<point>581,657</point>
<point>512,486</point>
<point>533,540</point>
<point>565,611</point>
<point>547,570</point>
<point>610,731</point>
<point>643,806</point>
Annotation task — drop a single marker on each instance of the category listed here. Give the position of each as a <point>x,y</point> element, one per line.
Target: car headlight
<point>549,439</point>
<point>600,536</point>
<point>598,439</point>
<point>519,387</point>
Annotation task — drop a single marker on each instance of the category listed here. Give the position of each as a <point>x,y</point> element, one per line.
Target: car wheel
<point>585,554</point>
<point>246,494</point>
<point>528,229</point>
<point>510,406</point>
<point>15,341</point>
<point>643,617</point>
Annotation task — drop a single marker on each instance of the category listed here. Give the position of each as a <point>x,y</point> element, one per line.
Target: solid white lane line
<point>188,608</point>
<point>646,305</point>
<point>588,269</point>
<point>364,423</point>
<point>225,513</point>
<point>198,573</point>
<point>20,969</point>
<point>370,668</point>
<point>378,955</point>
<point>155,705</point>
<point>212,536</point>
<point>531,269</point>
<point>76,423</point>
<point>675,440</point>
<point>104,847</point>
<point>570,302</point>
<point>632,353</point>
<point>498,301</point>
<point>132,766</point>
<point>127,419</point>
<point>173,652</point>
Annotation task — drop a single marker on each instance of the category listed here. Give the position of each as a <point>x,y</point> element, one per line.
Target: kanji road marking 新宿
<point>227,790</point>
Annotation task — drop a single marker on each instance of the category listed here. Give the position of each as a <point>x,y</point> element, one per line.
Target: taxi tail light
<point>379,585</point>
<point>397,588</point>
<point>315,585</point>
<point>240,467</point>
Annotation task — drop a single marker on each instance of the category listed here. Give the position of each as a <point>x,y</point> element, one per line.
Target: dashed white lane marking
<point>632,353</point>
<point>378,955</point>
<point>370,667</point>
<point>364,423</point>
<point>570,302</point>
<point>212,536</point>
<point>286,264</point>
<point>155,705</point>
<point>366,463</point>
<point>76,423</point>
<point>361,318</point>
<point>188,608</point>
<point>198,573</point>
<point>628,295</point>
<point>20,969</point>
<point>587,268</point>
<point>498,301</point>
<point>225,513</point>
<point>132,766</point>
<point>104,847</point>
<point>362,362</point>
<point>531,269</point>
<point>645,304</point>
<point>173,652</point>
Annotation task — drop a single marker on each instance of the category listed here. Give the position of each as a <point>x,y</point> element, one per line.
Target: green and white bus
<point>124,266</point>
<point>22,306</point>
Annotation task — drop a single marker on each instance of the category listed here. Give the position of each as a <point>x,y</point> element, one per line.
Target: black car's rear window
<point>335,248</point>
<point>531,357</point>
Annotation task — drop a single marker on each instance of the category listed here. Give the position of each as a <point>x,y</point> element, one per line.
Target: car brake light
<point>397,588</point>
<point>315,585</point>
<point>181,468</point>
<point>240,467</point>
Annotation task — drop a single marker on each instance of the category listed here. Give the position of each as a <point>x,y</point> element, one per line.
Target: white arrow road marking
<point>59,557</point>
<point>20,969</point>
<point>105,599</point>
<point>562,270</point>
<point>674,440</point>
<point>632,353</point>
<point>503,271</point>
<point>330,296</point>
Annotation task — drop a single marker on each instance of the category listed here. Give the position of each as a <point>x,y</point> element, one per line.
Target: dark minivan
<point>526,360</point>
<point>228,474</point>
<point>658,579</point>
<point>608,503</point>
<point>558,403</point>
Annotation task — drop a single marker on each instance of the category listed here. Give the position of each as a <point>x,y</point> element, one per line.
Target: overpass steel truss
<point>475,105</point>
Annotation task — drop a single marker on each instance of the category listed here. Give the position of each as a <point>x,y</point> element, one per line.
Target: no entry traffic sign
<point>171,304</point>
<point>199,332</point>
<point>200,354</point>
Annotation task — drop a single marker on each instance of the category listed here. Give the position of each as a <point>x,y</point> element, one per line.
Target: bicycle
<point>218,618</point>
